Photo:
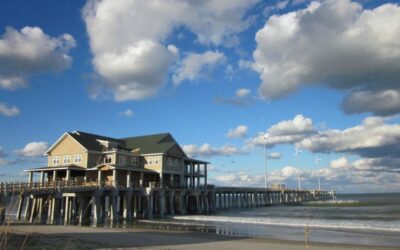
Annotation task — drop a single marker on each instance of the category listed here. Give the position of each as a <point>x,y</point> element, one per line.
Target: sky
<point>220,76</point>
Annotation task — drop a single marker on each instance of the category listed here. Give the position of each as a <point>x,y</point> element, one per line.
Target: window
<point>176,163</point>
<point>156,160</point>
<point>169,161</point>
<point>67,159</point>
<point>108,159</point>
<point>56,160</point>
<point>77,158</point>
<point>150,160</point>
<point>135,161</point>
<point>122,160</point>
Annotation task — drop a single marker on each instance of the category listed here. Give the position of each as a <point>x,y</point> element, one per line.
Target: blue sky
<point>322,76</point>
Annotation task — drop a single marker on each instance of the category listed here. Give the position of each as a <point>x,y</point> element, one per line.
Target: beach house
<point>141,161</point>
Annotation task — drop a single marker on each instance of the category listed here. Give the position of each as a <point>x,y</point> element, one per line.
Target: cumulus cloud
<point>128,43</point>
<point>127,113</point>
<point>335,43</point>
<point>8,110</point>
<point>206,150</point>
<point>373,138</point>
<point>193,64</point>
<point>382,103</point>
<point>239,131</point>
<point>30,51</point>
<point>285,132</point>
<point>32,149</point>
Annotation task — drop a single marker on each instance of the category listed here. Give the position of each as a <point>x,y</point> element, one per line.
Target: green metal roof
<point>148,144</point>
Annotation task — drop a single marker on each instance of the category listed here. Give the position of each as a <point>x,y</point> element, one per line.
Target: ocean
<point>362,219</point>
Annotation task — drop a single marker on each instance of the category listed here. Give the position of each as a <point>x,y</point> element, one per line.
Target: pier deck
<point>66,202</point>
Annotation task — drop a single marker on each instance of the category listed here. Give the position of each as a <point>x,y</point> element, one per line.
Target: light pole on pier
<point>317,160</point>
<point>265,161</point>
<point>297,154</point>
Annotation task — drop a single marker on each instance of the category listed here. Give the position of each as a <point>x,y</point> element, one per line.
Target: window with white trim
<point>108,159</point>
<point>122,160</point>
<point>67,159</point>
<point>56,160</point>
<point>150,160</point>
<point>78,158</point>
<point>156,160</point>
<point>135,161</point>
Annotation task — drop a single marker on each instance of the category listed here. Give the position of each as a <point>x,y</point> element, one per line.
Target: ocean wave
<point>393,226</point>
<point>334,202</point>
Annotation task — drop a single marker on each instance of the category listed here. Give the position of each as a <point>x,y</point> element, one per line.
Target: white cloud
<point>274,155</point>
<point>241,98</point>
<point>31,51</point>
<point>206,150</point>
<point>33,149</point>
<point>239,131</point>
<point>127,113</point>
<point>128,43</point>
<point>285,132</point>
<point>8,110</point>
<point>339,163</point>
<point>193,64</point>
<point>372,138</point>
<point>242,93</point>
<point>333,43</point>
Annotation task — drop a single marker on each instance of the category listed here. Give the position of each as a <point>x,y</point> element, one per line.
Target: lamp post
<point>319,180</point>
<point>265,161</point>
<point>297,154</point>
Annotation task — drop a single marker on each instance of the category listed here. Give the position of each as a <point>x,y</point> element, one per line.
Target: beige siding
<point>67,146</point>
<point>156,167</point>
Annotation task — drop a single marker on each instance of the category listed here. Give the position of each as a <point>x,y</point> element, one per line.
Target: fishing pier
<point>89,202</point>
<point>93,179</point>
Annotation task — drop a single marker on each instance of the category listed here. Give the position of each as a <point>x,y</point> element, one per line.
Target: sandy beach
<point>75,237</point>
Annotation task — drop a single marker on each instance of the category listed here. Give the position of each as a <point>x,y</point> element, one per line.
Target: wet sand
<point>75,237</point>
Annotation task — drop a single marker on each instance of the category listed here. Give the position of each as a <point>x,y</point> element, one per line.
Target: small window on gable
<point>78,158</point>
<point>67,159</point>
<point>150,161</point>
<point>108,159</point>
<point>56,160</point>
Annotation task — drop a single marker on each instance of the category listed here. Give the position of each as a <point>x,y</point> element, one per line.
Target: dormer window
<point>108,159</point>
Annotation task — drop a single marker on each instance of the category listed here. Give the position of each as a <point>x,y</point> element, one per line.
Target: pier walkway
<point>67,202</point>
